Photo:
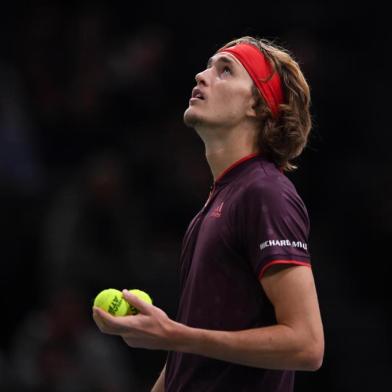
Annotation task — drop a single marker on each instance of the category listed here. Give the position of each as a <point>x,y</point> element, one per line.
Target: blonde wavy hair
<point>283,137</point>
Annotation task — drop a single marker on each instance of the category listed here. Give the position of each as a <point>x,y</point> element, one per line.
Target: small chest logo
<point>217,212</point>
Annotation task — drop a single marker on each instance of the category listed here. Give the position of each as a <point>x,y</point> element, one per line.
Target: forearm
<point>273,347</point>
<point>159,385</point>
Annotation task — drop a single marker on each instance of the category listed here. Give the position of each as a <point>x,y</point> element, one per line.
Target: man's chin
<point>191,119</point>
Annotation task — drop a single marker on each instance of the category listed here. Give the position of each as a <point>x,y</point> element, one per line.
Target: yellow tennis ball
<point>112,301</point>
<point>143,296</point>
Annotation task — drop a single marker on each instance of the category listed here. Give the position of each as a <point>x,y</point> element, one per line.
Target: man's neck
<point>223,146</point>
<point>220,157</point>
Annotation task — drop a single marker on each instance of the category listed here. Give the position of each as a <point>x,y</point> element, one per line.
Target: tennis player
<point>248,314</point>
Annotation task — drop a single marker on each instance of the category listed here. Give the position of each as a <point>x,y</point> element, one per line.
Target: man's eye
<point>226,71</point>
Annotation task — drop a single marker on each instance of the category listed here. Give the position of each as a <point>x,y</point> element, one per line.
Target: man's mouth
<point>196,93</point>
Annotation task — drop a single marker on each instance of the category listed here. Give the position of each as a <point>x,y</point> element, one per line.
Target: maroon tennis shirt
<point>253,218</point>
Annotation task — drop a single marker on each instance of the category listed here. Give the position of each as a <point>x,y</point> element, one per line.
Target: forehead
<point>228,58</point>
<point>224,57</point>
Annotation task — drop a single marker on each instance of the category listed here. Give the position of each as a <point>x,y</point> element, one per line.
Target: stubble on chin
<point>191,120</point>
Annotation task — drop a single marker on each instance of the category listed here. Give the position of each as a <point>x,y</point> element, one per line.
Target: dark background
<point>99,178</point>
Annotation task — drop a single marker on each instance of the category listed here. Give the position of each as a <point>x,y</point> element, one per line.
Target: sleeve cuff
<point>273,262</point>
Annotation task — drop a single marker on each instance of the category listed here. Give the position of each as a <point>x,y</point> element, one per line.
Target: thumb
<point>135,301</point>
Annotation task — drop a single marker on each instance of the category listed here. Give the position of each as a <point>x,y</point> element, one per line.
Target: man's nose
<point>201,77</point>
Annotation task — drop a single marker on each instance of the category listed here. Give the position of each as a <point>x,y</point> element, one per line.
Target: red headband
<point>260,70</point>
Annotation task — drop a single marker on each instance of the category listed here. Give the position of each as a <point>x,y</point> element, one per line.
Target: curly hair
<point>283,137</point>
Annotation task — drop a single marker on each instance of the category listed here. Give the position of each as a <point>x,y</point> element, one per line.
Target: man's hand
<point>151,328</point>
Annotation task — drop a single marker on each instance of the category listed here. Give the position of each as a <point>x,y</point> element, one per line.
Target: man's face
<point>223,95</point>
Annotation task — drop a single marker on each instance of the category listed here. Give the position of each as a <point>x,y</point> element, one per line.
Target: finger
<point>139,304</point>
<point>100,314</point>
<point>109,324</point>
<point>97,317</point>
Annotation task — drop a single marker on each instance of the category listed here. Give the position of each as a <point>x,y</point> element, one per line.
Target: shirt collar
<point>236,168</point>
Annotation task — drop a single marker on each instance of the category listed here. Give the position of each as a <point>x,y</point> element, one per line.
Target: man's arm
<point>295,342</point>
<point>159,386</point>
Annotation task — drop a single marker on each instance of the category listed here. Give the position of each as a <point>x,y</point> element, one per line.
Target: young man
<point>248,315</point>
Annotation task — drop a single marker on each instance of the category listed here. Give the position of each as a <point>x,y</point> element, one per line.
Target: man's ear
<point>252,109</point>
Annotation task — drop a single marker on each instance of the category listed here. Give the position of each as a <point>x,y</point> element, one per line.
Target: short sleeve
<point>274,226</point>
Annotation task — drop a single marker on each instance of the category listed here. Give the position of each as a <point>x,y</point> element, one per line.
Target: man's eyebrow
<point>222,59</point>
